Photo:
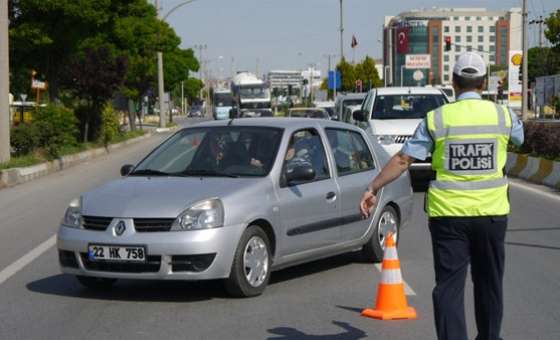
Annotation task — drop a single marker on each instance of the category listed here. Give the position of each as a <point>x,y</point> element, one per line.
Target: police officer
<point>467,203</point>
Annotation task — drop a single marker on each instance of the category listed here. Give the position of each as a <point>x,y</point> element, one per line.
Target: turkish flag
<point>402,39</point>
<point>354,42</point>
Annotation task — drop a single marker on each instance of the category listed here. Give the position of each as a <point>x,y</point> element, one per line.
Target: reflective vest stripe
<point>472,130</point>
<point>441,131</point>
<point>469,185</point>
<point>391,276</point>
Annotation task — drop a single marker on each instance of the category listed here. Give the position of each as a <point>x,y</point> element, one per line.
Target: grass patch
<point>21,161</point>
<point>40,156</point>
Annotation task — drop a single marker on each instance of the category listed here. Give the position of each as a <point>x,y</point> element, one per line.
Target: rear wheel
<point>388,222</point>
<point>250,270</point>
<point>96,283</point>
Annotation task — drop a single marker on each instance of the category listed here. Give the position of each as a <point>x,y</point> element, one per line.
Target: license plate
<point>116,253</point>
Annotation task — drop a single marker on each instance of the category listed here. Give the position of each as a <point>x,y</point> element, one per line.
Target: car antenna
<point>230,121</point>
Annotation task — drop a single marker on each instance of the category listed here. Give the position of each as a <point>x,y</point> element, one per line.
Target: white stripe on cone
<point>391,276</point>
<point>390,253</point>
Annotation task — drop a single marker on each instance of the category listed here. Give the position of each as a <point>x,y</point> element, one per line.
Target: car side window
<point>306,148</point>
<point>350,151</point>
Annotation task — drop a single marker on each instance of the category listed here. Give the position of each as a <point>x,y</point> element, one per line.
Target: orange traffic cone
<point>391,301</point>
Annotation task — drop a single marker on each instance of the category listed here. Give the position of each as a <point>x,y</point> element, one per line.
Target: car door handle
<point>330,195</point>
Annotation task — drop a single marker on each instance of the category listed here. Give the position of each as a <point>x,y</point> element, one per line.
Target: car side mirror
<point>301,173</point>
<point>126,169</point>
<point>359,116</point>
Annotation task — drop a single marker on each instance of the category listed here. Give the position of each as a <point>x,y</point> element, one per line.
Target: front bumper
<point>163,249</point>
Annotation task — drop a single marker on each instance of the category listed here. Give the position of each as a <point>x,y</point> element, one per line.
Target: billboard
<point>514,84</point>
<point>415,61</point>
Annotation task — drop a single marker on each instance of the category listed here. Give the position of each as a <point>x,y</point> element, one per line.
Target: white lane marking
<point>26,259</point>
<point>539,190</point>
<point>407,289</point>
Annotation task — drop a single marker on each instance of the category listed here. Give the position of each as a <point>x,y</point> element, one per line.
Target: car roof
<point>307,109</point>
<point>406,90</point>
<point>287,123</point>
<point>352,96</point>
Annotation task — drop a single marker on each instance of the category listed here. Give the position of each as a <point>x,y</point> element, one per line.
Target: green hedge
<point>542,139</point>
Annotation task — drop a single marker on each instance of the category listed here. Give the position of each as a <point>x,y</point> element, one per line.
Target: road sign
<point>413,61</point>
<point>514,85</point>
<point>418,75</point>
<point>38,85</point>
<point>333,81</point>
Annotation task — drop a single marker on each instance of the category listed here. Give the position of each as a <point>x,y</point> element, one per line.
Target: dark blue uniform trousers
<point>456,242</point>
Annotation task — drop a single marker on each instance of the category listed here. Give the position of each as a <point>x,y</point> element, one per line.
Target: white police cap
<point>470,65</point>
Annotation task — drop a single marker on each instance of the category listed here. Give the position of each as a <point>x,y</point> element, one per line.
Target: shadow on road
<point>313,267</point>
<point>131,290</point>
<point>289,333</point>
<point>531,245</point>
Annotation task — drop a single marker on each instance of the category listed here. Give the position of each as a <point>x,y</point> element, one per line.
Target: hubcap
<point>387,224</point>
<point>255,261</point>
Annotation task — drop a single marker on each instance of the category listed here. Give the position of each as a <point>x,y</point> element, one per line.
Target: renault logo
<point>120,228</point>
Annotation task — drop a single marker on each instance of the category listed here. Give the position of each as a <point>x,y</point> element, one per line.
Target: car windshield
<point>222,99</point>
<point>253,92</point>
<point>232,151</point>
<point>410,106</point>
<point>308,114</point>
<point>352,102</point>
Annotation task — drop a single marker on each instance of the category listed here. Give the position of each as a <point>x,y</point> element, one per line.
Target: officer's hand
<point>368,202</point>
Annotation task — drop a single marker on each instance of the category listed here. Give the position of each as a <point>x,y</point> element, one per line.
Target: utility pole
<point>329,56</point>
<point>4,84</point>
<point>524,93</point>
<point>160,77</point>
<point>341,33</point>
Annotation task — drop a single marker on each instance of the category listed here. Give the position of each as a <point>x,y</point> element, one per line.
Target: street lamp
<point>160,60</point>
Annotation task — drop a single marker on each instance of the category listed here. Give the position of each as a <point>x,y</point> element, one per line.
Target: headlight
<point>385,139</point>
<point>203,215</point>
<point>73,216</point>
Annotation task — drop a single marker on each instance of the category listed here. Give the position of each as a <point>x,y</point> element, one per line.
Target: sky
<point>293,34</point>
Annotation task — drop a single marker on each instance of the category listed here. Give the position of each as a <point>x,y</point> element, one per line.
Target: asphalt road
<point>320,300</point>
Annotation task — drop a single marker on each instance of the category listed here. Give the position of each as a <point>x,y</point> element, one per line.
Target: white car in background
<point>392,114</point>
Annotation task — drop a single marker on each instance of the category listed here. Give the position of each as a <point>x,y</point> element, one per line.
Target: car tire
<point>96,283</point>
<point>388,221</point>
<point>254,245</point>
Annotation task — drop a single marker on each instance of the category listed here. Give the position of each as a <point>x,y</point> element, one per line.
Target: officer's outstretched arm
<point>398,164</point>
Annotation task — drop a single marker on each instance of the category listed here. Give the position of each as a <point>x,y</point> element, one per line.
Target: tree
<point>45,34</point>
<point>552,31</point>
<point>543,61</point>
<point>348,75</point>
<point>367,73</point>
<point>95,76</point>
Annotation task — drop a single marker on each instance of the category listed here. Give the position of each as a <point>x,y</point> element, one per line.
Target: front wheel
<point>388,223</point>
<point>250,270</point>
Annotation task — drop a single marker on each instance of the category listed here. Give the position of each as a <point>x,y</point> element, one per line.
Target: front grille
<point>401,139</point>
<point>191,263</point>
<point>67,259</point>
<point>150,225</point>
<point>96,222</point>
<point>152,265</point>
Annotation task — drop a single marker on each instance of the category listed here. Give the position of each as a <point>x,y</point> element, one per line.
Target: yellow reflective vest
<point>470,151</point>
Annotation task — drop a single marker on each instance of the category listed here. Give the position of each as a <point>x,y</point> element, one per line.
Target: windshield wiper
<point>150,172</point>
<point>210,173</point>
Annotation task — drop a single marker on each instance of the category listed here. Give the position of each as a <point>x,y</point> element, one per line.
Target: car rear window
<point>410,106</point>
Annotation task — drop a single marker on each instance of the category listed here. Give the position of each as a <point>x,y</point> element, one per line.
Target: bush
<point>57,127</point>
<point>24,138</point>
<point>541,139</point>
<point>109,125</point>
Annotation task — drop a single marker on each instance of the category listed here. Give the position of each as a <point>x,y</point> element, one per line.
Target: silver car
<point>234,200</point>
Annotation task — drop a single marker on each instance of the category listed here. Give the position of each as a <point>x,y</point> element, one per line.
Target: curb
<point>15,176</point>
<point>534,169</point>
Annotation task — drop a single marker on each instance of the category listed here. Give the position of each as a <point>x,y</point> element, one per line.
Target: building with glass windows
<point>491,33</point>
